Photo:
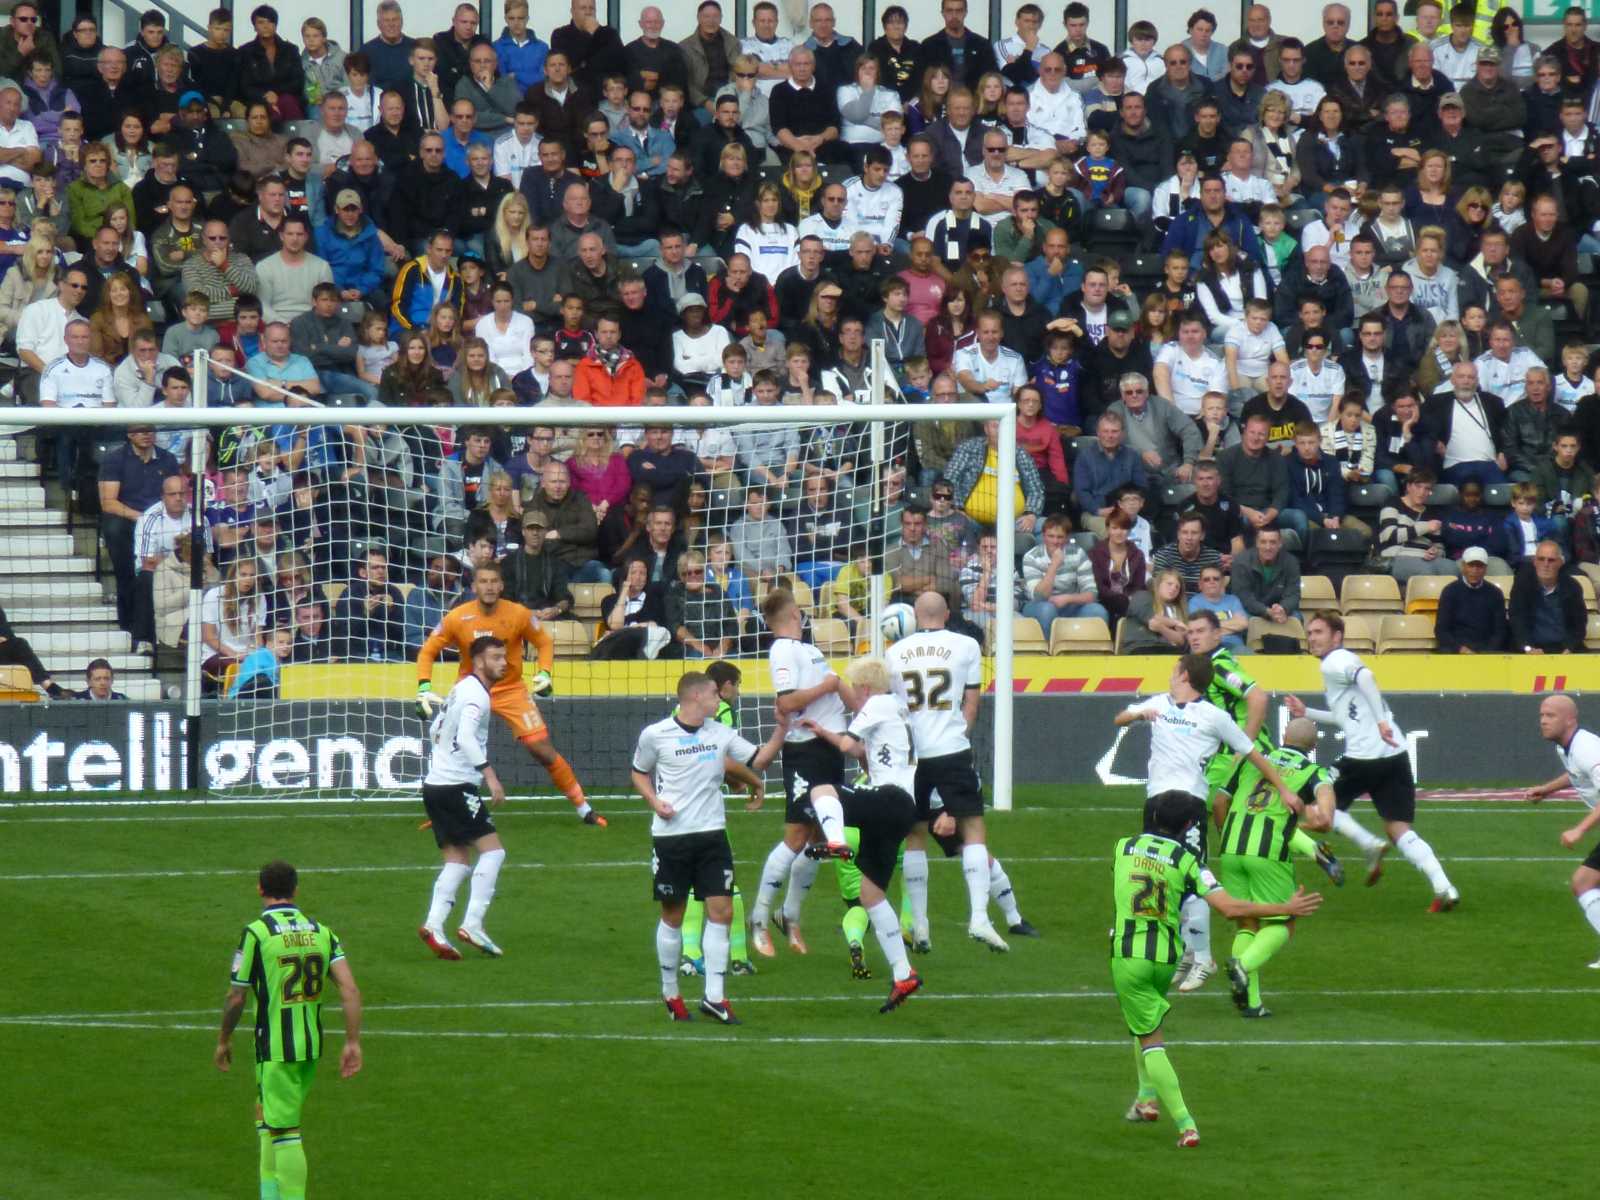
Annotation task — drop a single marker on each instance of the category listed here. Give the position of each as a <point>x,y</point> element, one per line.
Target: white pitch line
<point>90,1018</point>
<point>746,1038</point>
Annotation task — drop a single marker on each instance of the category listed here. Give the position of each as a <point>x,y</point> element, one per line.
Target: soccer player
<point>727,677</point>
<point>1235,693</point>
<point>1151,874</point>
<point>457,761</point>
<point>284,960</point>
<point>883,812</point>
<point>938,674</point>
<point>807,690</point>
<point>1186,730</point>
<point>1375,762</point>
<point>488,614</point>
<point>678,767</point>
<point>1579,752</point>
<point>1254,861</point>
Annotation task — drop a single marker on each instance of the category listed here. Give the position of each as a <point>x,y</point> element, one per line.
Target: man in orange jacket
<point>609,375</point>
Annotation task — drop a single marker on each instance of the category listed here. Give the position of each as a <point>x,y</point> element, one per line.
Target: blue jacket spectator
<point>1097,473</point>
<point>524,60</point>
<point>1471,617</point>
<point>1475,525</point>
<point>356,261</point>
<point>414,296</point>
<point>1050,290</point>
<point>1190,229</point>
<point>1515,543</point>
<point>1316,488</point>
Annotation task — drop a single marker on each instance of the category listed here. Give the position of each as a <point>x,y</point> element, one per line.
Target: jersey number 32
<point>927,689</point>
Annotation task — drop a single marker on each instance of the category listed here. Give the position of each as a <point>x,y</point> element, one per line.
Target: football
<point>898,621</point>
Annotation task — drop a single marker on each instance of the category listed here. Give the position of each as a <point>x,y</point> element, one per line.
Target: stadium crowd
<point>1260,306</point>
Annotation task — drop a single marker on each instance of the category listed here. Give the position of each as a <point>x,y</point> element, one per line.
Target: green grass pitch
<point>1445,1056</point>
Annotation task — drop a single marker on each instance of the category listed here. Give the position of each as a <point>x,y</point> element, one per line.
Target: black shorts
<point>806,764</point>
<point>1593,861</point>
<point>1387,780</point>
<point>459,815</point>
<point>884,816</point>
<point>955,778</point>
<point>1195,839</point>
<point>701,862</point>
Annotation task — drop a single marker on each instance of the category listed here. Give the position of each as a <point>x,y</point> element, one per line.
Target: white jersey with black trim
<point>687,766</point>
<point>931,670</point>
<point>459,735</point>
<point>795,666</point>
<point>1341,671</point>
<point>883,726</point>
<point>1580,759</point>
<point>1182,738</point>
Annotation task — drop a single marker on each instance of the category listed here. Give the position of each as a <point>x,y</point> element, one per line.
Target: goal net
<point>334,538</point>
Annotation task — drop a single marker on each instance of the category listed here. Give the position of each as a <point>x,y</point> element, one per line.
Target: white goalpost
<point>345,728</point>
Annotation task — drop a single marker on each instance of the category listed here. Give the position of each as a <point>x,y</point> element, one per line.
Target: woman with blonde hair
<point>755,116</point>
<point>599,472</point>
<point>33,276</point>
<point>120,314</point>
<point>802,185</point>
<point>1157,620</point>
<point>1272,144</point>
<point>475,380</point>
<point>1447,347</point>
<point>1464,234</point>
<point>989,98</point>
<point>232,618</point>
<point>504,508</point>
<point>507,243</point>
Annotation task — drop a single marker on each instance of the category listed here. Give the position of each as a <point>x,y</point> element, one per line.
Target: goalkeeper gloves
<point>428,703</point>
<point>543,685</point>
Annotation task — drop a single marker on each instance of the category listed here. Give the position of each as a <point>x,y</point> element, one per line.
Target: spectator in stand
<point>1101,469</point>
<point>1470,525</point>
<point>1547,609</point>
<point>571,531</point>
<point>534,574</point>
<point>1119,565</point>
<point>155,538</point>
<point>1167,442</point>
<point>286,280</point>
<point>27,37</point>
<point>1188,554</point>
<point>1472,612</point>
<point>16,652</point>
<point>1059,578</point>
<point>1408,539</point>
<point>1157,620</point>
<point>973,471</point>
<point>1266,580</point>
<point>1212,605</point>
<point>1316,489</point>
<point>100,681</point>
<point>1469,427</point>
<point>916,565</point>
<point>131,480</point>
<point>136,383</point>
<point>429,600</point>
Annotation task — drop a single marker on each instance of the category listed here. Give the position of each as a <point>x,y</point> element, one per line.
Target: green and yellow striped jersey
<point>1230,684</point>
<point>1259,824</point>
<point>284,959</point>
<point>1150,876</point>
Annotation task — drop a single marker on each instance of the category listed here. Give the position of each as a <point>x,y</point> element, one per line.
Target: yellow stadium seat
<point>333,591</point>
<point>1503,582</point>
<point>1586,586</point>
<point>1080,635</point>
<point>587,597</point>
<point>1026,636</point>
<point>832,636</point>
<point>1406,632</point>
<point>1259,627</point>
<point>1422,592</point>
<point>1360,634</point>
<point>571,638</point>
<point>1591,637</point>
<point>802,593</point>
<point>1369,593</point>
<point>1316,591</point>
<point>17,685</point>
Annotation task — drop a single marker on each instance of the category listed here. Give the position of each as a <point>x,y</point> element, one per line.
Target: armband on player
<point>428,704</point>
<point>542,685</point>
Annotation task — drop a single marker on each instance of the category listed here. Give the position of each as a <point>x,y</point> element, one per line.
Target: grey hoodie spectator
<point>760,546</point>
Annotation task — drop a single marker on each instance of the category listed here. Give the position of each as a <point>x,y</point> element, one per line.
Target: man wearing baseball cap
<point>533,578</point>
<point>1472,612</point>
<point>206,155</point>
<point>1495,108</point>
<point>350,245</point>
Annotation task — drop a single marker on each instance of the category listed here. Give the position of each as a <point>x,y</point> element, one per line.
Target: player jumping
<point>1186,730</point>
<point>1254,860</point>
<point>459,758</point>
<point>1151,874</point>
<point>509,699</point>
<point>284,960</point>
<point>1579,751</point>
<point>678,767</point>
<point>882,812</point>
<point>1375,762</point>
<point>807,690</point>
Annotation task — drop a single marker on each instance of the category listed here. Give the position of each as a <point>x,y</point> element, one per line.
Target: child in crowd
<point>1572,384</point>
<point>731,386</point>
<point>1097,175</point>
<point>1277,244</point>
<point>1248,348</point>
<point>246,335</point>
<point>1525,527</point>
<point>66,156</point>
<point>1508,212</point>
<point>1131,501</point>
<point>573,341</point>
<point>182,340</point>
<point>1350,439</point>
<point>763,345</point>
<point>375,351</point>
<point>893,125</point>
<point>917,386</point>
<point>1056,376</point>
<point>362,114</point>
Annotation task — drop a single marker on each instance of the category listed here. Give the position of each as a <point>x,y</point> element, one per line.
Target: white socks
<point>445,886</point>
<point>886,924</point>
<point>802,874</point>
<point>1000,892</point>
<point>484,876</point>
<point>773,876</point>
<point>669,948</point>
<point>975,869</point>
<point>1197,927</point>
<point>1590,903</point>
<point>714,941</point>
<point>914,874</point>
<point>1420,855</point>
<point>830,815</point>
<point>1349,827</point>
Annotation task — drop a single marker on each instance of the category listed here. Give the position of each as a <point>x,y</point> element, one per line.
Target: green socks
<point>855,925</point>
<point>1160,1072</point>
<point>1269,939</point>
<point>738,934</point>
<point>1303,845</point>
<point>269,1169</point>
<point>694,921</point>
<point>290,1159</point>
<point>1147,1090</point>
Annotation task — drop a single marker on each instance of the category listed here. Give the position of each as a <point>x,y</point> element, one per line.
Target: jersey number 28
<point>933,694</point>
<point>305,977</point>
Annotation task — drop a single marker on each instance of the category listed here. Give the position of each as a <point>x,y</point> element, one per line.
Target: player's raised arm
<point>350,1001</point>
<point>1297,708</point>
<point>442,637</point>
<point>789,703</point>
<point>1134,712</point>
<point>545,646</point>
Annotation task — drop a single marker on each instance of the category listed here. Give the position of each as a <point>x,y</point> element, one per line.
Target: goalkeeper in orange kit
<point>513,624</point>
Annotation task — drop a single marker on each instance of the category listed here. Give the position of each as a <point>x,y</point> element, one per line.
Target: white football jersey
<point>931,671</point>
<point>459,735</point>
<point>687,766</point>
<point>884,727</point>
<point>1182,738</point>
<point>794,665</point>
<point>1352,713</point>
<point>1580,759</point>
